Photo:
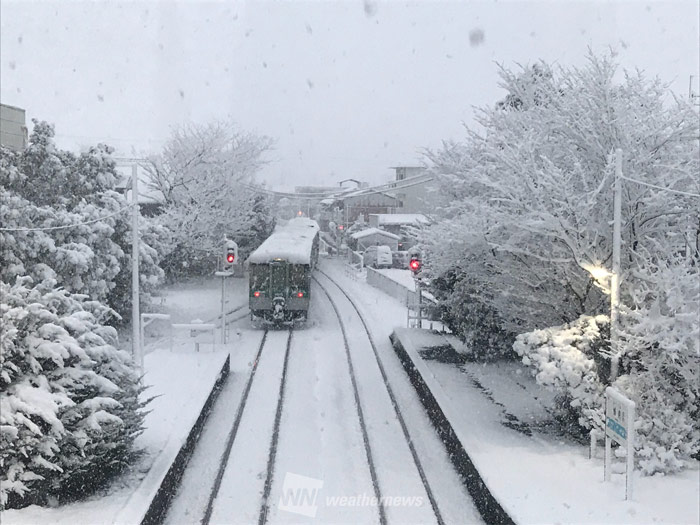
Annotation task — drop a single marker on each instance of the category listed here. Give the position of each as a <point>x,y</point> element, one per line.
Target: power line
<point>68,226</point>
<point>340,194</point>
<point>660,187</point>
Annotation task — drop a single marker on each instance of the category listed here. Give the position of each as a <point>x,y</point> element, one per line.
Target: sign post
<point>619,427</point>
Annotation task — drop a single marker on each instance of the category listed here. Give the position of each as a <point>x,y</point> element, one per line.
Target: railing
<point>196,329</point>
<point>356,259</point>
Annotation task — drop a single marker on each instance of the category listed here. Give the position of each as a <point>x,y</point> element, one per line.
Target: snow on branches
<point>204,178</point>
<point>531,213</point>
<point>69,408</point>
<point>62,219</point>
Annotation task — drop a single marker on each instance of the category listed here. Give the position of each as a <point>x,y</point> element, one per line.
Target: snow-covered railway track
<point>235,495</point>
<point>222,481</point>
<point>385,486</point>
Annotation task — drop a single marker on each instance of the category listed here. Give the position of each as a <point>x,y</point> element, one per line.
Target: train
<point>279,273</point>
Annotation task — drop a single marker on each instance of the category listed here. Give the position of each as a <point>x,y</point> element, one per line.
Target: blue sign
<point>617,428</point>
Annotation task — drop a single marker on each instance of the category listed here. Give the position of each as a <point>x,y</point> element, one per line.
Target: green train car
<point>280,273</point>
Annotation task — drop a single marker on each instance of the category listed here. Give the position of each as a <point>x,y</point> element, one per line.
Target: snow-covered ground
<point>539,478</point>
<point>180,382</point>
<point>320,438</point>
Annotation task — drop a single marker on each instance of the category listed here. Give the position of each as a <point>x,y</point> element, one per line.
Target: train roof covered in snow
<point>291,242</point>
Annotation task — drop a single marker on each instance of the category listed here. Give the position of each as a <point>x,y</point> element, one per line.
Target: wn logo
<point>300,494</point>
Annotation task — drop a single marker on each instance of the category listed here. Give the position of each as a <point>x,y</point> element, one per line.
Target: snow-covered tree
<point>532,192</point>
<point>531,210</point>
<point>257,225</point>
<point>69,407</point>
<point>60,214</point>
<point>205,179</point>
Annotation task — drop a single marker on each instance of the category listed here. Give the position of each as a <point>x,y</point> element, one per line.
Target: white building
<point>13,127</point>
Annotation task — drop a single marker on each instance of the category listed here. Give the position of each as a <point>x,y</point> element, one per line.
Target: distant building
<point>419,193</point>
<point>13,127</point>
<point>351,206</point>
<point>374,237</point>
<point>394,223</point>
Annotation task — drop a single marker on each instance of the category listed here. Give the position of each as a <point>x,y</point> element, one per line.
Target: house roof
<point>372,231</point>
<point>386,219</point>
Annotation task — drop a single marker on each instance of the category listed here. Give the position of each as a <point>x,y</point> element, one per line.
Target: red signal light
<point>300,294</point>
<point>230,258</point>
<point>256,294</point>
<point>414,265</point>
<point>341,227</point>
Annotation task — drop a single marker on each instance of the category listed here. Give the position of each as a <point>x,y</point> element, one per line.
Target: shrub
<point>69,407</point>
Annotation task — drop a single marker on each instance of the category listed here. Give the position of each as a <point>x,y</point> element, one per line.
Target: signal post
<point>415,266</point>
<point>230,258</point>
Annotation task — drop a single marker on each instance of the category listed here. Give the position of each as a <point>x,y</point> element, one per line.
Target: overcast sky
<point>347,89</point>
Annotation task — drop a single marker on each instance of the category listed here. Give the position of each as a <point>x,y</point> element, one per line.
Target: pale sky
<point>347,89</point>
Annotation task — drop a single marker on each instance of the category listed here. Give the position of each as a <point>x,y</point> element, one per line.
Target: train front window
<point>297,276</point>
<point>278,273</point>
<point>260,278</point>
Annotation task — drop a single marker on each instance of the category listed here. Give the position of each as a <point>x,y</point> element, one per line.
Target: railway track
<point>328,424</point>
<point>399,415</point>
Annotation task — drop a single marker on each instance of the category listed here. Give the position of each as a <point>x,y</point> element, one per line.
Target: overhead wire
<point>689,194</point>
<point>49,228</point>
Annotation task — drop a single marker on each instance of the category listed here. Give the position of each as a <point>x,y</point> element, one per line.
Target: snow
<point>291,241</point>
<point>181,381</point>
<point>394,219</point>
<point>403,277</point>
<point>554,480</point>
<point>540,478</point>
<point>373,231</point>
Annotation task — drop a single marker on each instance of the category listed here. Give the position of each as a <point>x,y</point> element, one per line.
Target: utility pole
<point>615,278</point>
<point>135,316</point>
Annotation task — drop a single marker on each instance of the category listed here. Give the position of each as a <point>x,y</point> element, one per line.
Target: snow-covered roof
<point>291,241</point>
<point>401,218</point>
<point>372,231</point>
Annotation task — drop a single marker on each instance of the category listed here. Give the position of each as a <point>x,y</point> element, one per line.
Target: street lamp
<point>600,273</point>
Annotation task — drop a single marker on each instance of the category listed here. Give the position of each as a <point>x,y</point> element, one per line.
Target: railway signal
<point>415,264</point>
<point>230,255</point>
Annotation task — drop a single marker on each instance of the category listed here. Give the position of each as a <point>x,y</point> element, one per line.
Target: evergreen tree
<point>69,408</point>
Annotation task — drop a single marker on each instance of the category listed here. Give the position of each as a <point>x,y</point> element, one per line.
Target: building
<point>396,223</point>
<point>13,127</point>
<point>374,237</point>
<point>358,205</point>
<point>416,189</point>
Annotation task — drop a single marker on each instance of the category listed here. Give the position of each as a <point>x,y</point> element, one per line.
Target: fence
<point>417,310</point>
<point>196,329</point>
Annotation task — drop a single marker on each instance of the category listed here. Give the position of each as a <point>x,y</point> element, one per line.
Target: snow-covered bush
<point>566,359</point>
<point>463,311</point>
<point>661,341</point>
<point>52,203</point>
<point>69,407</point>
